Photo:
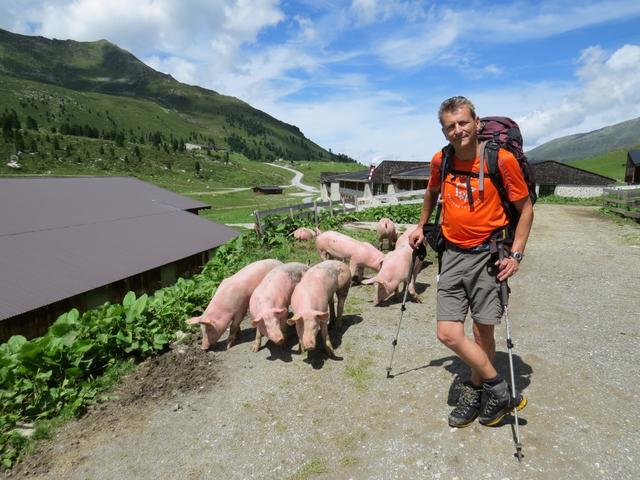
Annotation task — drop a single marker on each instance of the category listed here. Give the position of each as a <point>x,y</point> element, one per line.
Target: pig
<point>269,303</point>
<point>311,298</point>
<point>404,238</point>
<point>386,230</point>
<point>395,271</point>
<point>359,254</point>
<point>304,233</point>
<point>230,303</point>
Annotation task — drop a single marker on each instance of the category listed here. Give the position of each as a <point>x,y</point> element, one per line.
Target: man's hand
<point>416,237</point>
<point>507,267</point>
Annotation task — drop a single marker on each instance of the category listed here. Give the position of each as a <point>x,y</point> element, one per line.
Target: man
<point>468,272</point>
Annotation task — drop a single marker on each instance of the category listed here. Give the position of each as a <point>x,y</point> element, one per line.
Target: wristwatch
<point>517,255</point>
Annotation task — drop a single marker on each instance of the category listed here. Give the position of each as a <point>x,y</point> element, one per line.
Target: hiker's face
<point>459,127</point>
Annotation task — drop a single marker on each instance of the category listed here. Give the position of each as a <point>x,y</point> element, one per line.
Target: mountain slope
<point>622,135</point>
<point>102,67</point>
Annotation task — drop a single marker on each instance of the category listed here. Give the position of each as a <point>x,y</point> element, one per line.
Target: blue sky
<point>366,77</point>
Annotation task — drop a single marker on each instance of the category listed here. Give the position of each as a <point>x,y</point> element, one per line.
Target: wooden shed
<point>565,180</point>
<point>632,171</point>
<point>77,242</point>
<point>268,189</point>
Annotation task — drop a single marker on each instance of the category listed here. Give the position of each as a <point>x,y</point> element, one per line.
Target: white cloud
<point>610,87</point>
<point>423,47</point>
<point>180,28</point>
<point>366,12</point>
<point>443,29</point>
<point>369,126</point>
<point>181,69</point>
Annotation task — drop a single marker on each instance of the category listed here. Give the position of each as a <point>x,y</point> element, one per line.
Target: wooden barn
<point>365,183</point>
<point>415,178</point>
<point>268,189</point>
<point>632,171</point>
<point>77,242</point>
<point>555,178</point>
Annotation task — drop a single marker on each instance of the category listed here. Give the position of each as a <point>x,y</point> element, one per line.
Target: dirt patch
<point>276,414</point>
<point>163,379</point>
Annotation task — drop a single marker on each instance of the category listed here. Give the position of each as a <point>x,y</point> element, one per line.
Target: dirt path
<point>278,415</point>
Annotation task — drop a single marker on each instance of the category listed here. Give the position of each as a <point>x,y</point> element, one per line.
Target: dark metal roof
<point>359,176</point>
<point>421,173</point>
<point>327,177</point>
<point>60,237</point>
<point>387,168</point>
<point>634,155</point>
<point>551,172</point>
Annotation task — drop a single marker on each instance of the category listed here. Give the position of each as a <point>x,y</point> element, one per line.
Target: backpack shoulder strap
<point>445,164</point>
<point>491,151</point>
<point>496,177</point>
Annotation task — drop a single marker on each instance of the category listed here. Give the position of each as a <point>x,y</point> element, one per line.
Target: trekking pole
<point>504,297</point>
<point>419,252</point>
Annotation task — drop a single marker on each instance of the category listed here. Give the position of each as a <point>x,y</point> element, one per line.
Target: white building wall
<point>578,191</point>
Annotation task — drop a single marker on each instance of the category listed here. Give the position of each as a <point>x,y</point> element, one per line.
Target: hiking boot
<point>468,406</point>
<point>497,403</point>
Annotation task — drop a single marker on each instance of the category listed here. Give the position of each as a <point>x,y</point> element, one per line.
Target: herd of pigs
<point>269,289</point>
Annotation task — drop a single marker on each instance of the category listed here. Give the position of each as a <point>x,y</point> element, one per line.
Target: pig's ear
<point>279,311</point>
<point>198,320</point>
<point>369,281</point>
<point>321,316</point>
<point>293,320</point>
<point>255,321</point>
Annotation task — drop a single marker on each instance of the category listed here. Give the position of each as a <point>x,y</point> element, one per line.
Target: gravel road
<point>279,415</point>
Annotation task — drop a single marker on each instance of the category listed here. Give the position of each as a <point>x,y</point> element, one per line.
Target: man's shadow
<point>522,372</point>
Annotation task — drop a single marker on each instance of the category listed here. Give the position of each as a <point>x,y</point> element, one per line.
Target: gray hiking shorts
<point>468,282</point>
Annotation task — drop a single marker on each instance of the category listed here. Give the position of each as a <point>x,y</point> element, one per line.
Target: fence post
<point>330,207</point>
<point>315,212</point>
<point>258,226</point>
<point>291,213</point>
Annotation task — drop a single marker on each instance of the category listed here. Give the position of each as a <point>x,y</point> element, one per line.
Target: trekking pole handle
<point>504,287</point>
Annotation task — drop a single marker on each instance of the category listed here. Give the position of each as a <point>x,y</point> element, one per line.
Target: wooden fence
<point>624,201</point>
<point>347,203</point>
<point>310,208</point>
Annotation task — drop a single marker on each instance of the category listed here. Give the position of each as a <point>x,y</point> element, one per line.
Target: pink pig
<point>404,238</point>
<point>269,303</point>
<point>386,230</point>
<point>312,297</point>
<point>304,233</point>
<point>394,271</point>
<point>230,303</point>
<point>342,247</point>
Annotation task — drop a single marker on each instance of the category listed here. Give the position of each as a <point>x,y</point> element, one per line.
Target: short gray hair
<point>454,103</point>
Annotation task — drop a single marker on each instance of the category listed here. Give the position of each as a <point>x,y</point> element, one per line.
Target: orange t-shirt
<point>468,225</point>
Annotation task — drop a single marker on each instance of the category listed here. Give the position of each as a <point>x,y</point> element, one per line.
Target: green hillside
<point>138,100</point>
<point>611,164</point>
<point>91,108</point>
<point>620,136</point>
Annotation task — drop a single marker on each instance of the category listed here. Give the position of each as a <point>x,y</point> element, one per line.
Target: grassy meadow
<point>611,164</point>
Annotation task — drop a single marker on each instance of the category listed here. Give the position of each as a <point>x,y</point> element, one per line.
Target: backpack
<point>497,132</point>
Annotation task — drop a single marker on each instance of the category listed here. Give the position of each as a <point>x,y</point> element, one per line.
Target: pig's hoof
<point>417,298</point>
<point>254,348</point>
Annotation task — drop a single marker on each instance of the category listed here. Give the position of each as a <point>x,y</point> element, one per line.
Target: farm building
<point>78,242</point>
<point>268,189</point>
<point>387,177</point>
<point>632,171</point>
<point>555,178</point>
<point>415,178</point>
